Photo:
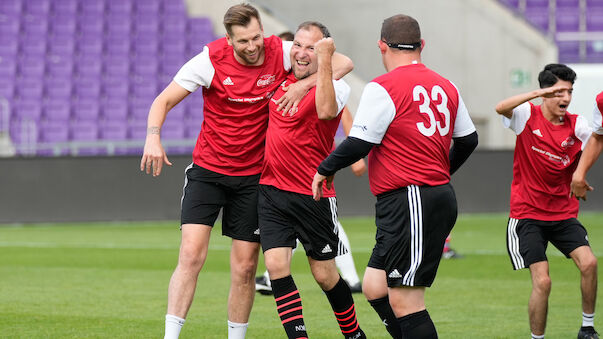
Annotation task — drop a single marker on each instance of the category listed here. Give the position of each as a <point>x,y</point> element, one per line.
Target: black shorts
<point>412,225</point>
<point>527,239</point>
<point>206,192</point>
<point>285,216</point>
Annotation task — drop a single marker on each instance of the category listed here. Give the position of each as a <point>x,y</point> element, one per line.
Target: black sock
<point>417,326</point>
<point>342,304</point>
<point>385,312</point>
<point>289,307</point>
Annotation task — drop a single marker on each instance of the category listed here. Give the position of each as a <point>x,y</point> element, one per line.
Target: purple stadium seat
<point>89,66</point>
<point>37,6</point>
<point>117,45</point>
<point>9,25</point>
<point>7,89</point>
<point>53,131</point>
<point>115,87</point>
<point>64,7</point>
<point>594,52</point>
<point>145,45</point>
<point>173,7</point>
<point>594,19</point>
<point>174,25</point>
<point>567,19</point>
<point>145,66</point>
<point>85,109</point>
<point>91,24</point>
<point>91,47</point>
<point>96,7</point>
<point>148,6</point>
<point>31,67</point>
<point>137,129</point>
<point>118,25</point>
<point>11,7</point>
<point>29,89</point>
<point>24,133</point>
<point>34,23</point>
<point>147,89</point>
<point>568,3</point>
<point>116,66</point>
<point>27,110</point>
<point>173,47</point>
<point>114,130</point>
<point>62,24</point>
<point>59,65</point>
<point>114,111</point>
<point>58,88</point>
<point>10,45</point>
<point>33,45</point>
<point>61,44</point>
<point>538,17</point>
<point>84,130</point>
<point>8,67</point>
<point>88,88</point>
<point>139,109</point>
<point>171,63</point>
<point>177,113</point>
<point>119,6</point>
<point>57,110</point>
<point>594,3</point>
<point>200,25</point>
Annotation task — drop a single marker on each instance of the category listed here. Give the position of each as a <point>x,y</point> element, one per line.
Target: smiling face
<point>556,106</point>
<point>303,59</point>
<point>248,43</point>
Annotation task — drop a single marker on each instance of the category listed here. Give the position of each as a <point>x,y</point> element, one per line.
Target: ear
<point>382,46</point>
<point>228,39</point>
<point>422,44</point>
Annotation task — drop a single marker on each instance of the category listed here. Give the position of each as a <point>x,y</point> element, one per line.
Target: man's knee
<point>543,283</point>
<point>588,265</point>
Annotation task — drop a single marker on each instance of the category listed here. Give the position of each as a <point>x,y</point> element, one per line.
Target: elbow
<point>500,109</point>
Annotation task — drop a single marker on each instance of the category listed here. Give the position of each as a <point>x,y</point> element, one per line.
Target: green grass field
<point>109,280</point>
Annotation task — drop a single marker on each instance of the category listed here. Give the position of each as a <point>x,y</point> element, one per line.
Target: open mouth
<point>302,63</point>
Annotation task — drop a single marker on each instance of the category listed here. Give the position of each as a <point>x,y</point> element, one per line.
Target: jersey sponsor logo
<point>300,328</point>
<point>565,160</point>
<point>537,132</point>
<point>326,249</point>
<point>568,142</point>
<point>227,82</point>
<point>247,100</point>
<point>265,80</point>
<point>395,274</point>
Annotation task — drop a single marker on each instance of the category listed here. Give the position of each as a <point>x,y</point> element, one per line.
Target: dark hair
<point>401,30</point>
<point>323,29</point>
<point>286,36</point>
<point>240,15</point>
<point>555,72</point>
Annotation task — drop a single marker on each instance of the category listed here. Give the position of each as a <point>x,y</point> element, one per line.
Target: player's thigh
<point>240,214</point>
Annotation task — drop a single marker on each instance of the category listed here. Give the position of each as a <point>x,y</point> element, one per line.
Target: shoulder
<point>219,49</point>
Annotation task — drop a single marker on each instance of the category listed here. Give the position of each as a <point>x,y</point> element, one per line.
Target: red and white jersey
<point>295,145</point>
<point>546,156</point>
<point>597,120</point>
<point>412,113</point>
<point>235,109</point>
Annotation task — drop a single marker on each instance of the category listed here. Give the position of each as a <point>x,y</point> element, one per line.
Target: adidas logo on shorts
<point>256,232</point>
<point>395,274</point>
<point>327,249</point>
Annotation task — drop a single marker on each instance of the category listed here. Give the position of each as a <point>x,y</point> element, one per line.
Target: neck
<point>552,118</point>
<point>398,59</point>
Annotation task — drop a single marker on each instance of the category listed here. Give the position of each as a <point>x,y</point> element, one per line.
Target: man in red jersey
<point>238,75</point>
<point>548,146</point>
<point>591,152</point>
<point>294,147</point>
<point>407,119</point>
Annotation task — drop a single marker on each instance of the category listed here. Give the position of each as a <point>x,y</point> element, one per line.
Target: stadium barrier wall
<point>113,189</point>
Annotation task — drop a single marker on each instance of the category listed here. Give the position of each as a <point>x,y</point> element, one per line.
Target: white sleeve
<point>582,130</point>
<point>463,125</point>
<point>597,123</point>
<point>197,72</point>
<point>287,54</point>
<point>342,94</point>
<point>521,115</point>
<point>375,113</point>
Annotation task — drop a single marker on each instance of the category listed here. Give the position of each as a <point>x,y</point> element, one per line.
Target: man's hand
<point>154,156</point>
<point>317,185</point>
<point>293,95</point>
<point>324,48</point>
<point>579,188</point>
<point>358,168</point>
<point>554,91</point>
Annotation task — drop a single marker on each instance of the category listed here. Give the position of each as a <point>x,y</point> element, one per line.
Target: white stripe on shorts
<point>185,183</point>
<point>513,244</point>
<point>416,234</point>
<point>333,203</point>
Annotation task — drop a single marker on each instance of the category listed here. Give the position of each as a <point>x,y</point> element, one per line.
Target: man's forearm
<point>589,156</point>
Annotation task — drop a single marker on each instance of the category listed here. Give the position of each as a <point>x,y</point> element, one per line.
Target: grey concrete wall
<point>106,189</point>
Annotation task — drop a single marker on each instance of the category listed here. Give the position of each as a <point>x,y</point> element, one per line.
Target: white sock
<point>534,336</point>
<point>588,319</point>
<point>173,325</point>
<point>237,330</point>
<point>345,262</point>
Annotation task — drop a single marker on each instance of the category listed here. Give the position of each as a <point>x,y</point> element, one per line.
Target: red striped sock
<point>289,307</point>
<point>342,303</point>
